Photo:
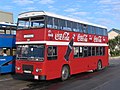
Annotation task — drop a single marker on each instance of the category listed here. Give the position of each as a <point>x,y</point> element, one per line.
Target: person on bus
<point>4,53</point>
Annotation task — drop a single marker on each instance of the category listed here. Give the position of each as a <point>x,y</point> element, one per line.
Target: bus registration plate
<point>25,71</point>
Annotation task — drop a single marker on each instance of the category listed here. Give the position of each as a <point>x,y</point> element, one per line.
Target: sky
<point>102,12</point>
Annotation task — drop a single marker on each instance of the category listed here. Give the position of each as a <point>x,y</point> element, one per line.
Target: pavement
<point>118,57</point>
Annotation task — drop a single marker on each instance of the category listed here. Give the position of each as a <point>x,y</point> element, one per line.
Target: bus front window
<point>30,52</point>
<point>31,22</point>
<point>23,23</point>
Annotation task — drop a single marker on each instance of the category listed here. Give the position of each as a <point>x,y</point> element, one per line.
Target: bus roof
<point>8,24</point>
<point>39,13</point>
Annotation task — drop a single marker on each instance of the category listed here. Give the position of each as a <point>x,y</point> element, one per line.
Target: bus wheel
<point>99,65</point>
<point>65,73</point>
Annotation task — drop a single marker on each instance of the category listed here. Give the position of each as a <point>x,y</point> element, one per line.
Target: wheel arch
<point>67,65</point>
<point>99,60</point>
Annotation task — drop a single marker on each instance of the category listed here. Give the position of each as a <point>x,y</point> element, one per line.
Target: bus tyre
<point>65,73</point>
<point>99,65</point>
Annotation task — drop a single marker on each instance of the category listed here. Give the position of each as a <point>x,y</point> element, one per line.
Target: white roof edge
<point>7,23</point>
<point>62,43</point>
<point>37,13</point>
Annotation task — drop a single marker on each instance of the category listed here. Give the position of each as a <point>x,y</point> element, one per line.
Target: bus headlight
<point>38,70</point>
<point>39,59</point>
<point>18,68</point>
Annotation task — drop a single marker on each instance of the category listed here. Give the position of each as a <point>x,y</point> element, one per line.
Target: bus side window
<point>8,51</point>
<point>2,31</point>
<point>89,29</point>
<point>69,25</point>
<point>74,27</point>
<point>49,22</point>
<point>93,51</point>
<point>62,24</point>
<point>52,53</point>
<point>13,32</point>
<point>13,51</point>
<point>97,31</point>
<point>7,31</point>
<point>1,50</point>
<point>105,32</point>
<point>103,50</point>
<point>97,51</point>
<point>85,51</point>
<point>76,52</point>
<point>89,51</point>
<point>93,30</point>
<point>56,23</point>
<point>84,28</point>
<point>80,51</point>
<point>80,27</point>
<point>101,31</point>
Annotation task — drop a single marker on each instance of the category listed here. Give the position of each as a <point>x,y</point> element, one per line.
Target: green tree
<point>113,43</point>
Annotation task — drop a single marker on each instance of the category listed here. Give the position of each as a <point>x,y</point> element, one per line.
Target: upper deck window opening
<point>13,32</point>
<point>31,22</point>
<point>69,25</point>
<point>37,22</point>
<point>105,32</point>
<point>84,28</point>
<point>56,23</point>
<point>80,27</point>
<point>75,27</point>
<point>93,30</point>
<point>23,23</point>
<point>101,31</point>
<point>97,30</point>
<point>89,29</point>
<point>49,22</point>
<point>8,29</point>
<point>2,31</point>
<point>62,24</point>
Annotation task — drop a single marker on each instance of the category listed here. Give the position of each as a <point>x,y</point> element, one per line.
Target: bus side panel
<point>94,60</point>
<point>105,59</point>
<point>7,68</point>
<point>77,65</point>
<point>7,64</point>
<point>54,67</point>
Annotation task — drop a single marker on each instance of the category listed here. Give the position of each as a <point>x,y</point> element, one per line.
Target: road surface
<point>106,79</point>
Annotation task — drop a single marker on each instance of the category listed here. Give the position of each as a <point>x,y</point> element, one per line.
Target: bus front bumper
<point>30,76</point>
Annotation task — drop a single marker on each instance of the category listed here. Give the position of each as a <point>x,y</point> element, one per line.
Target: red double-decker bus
<point>51,46</point>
